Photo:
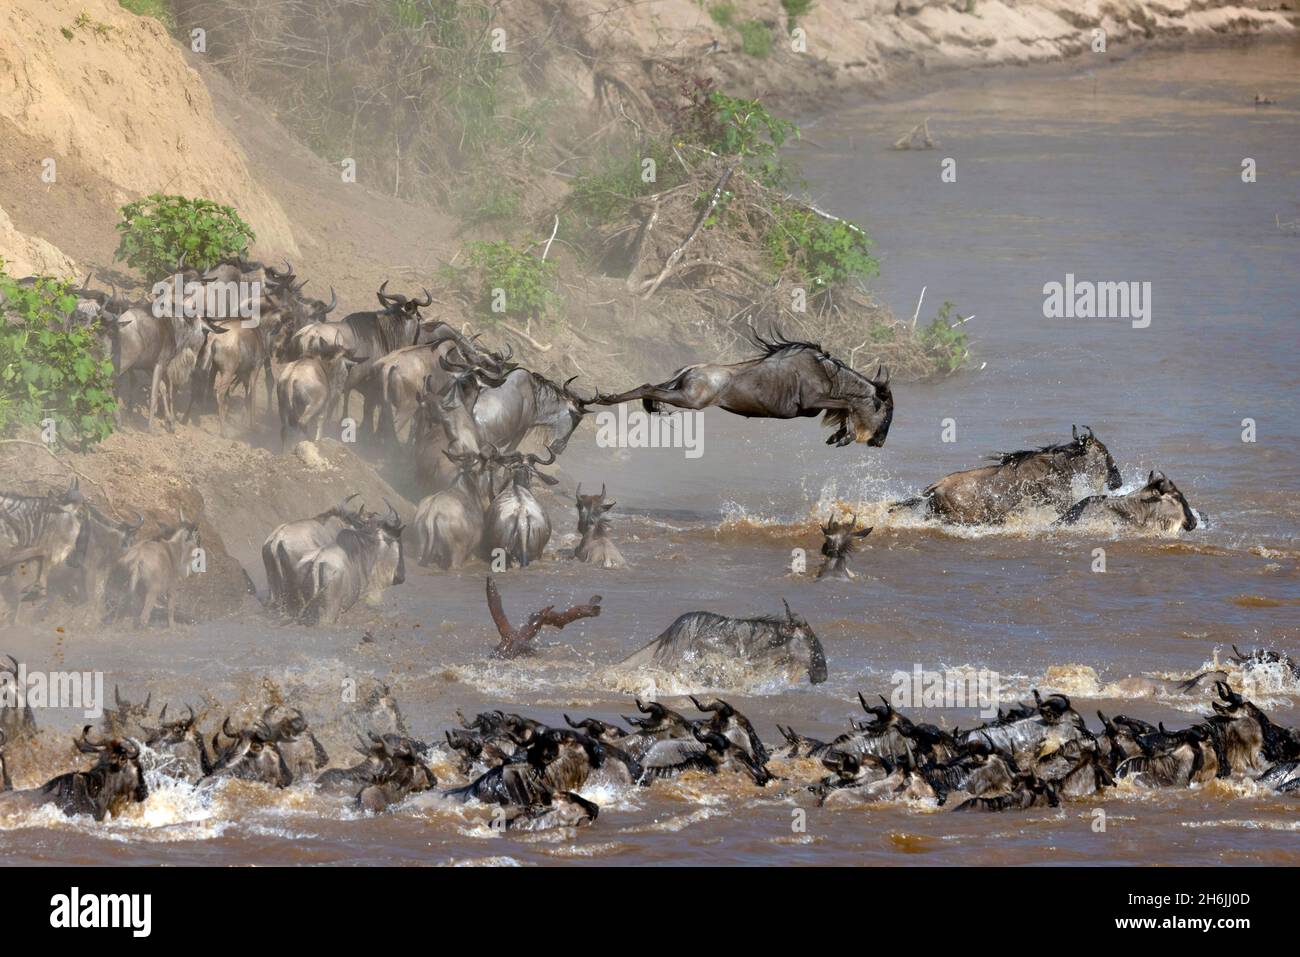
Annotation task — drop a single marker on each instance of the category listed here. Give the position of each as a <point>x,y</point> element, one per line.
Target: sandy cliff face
<point>106,92</point>
<point>857,43</point>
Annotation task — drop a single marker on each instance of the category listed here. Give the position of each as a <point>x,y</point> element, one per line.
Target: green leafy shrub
<point>723,14</point>
<point>603,193</point>
<point>50,368</point>
<point>755,38</point>
<point>510,280</point>
<point>946,342</point>
<point>156,230</point>
<point>822,252</point>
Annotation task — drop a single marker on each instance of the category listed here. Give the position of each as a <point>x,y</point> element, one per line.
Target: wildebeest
<point>444,422</point>
<point>841,537</point>
<point>1172,759</point>
<point>765,642</point>
<point>180,744</point>
<point>150,572</point>
<point>250,755</point>
<point>124,718</point>
<point>1045,476</point>
<point>516,527</point>
<point>100,544</point>
<point>595,546</point>
<point>391,770</point>
<point>449,524</point>
<point>15,722</point>
<point>115,780</point>
<point>369,336</point>
<point>308,391</point>
<point>302,752</point>
<point>1244,738</point>
<point>361,563</point>
<point>1157,506</point>
<point>514,404</point>
<point>288,547</point>
<point>45,527</point>
<point>789,380</point>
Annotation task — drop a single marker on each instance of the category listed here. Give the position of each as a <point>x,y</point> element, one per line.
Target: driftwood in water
<point>518,641</point>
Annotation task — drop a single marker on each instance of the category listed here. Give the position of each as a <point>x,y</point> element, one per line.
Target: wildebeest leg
<point>146,608</point>
<point>685,392</point>
<point>171,609</point>
<point>155,386</point>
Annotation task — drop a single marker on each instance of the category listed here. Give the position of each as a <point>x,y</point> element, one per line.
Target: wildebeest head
<point>390,528</point>
<point>1167,502</point>
<point>128,716</point>
<point>795,629</point>
<point>1099,466</point>
<point>171,732</point>
<point>400,306</point>
<point>115,780</point>
<point>591,507</point>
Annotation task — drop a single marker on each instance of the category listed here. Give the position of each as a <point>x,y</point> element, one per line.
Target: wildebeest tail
<point>653,406</point>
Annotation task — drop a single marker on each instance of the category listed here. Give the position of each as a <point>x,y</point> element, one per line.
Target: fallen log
<point>516,642</point>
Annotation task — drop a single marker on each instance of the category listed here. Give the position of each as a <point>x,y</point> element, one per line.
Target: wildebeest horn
<point>117,696</point>
<point>788,613</point>
<point>393,512</point>
<point>334,301</point>
<point>85,745</point>
<point>384,298</point>
<point>428,298</point>
<point>225,728</point>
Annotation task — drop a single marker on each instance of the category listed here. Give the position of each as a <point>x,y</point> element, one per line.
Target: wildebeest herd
<point>530,774</point>
<point>458,414</point>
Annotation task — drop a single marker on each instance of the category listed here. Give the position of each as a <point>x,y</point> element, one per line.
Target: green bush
<point>156,230</point>
<point>603,193</point>
<point>946,342</point>
<point>525,280</point>
<point>723,14</point>
<point>823,252</point>
<point>50,368</point>
<point>736,127</point>
<point>755,38</point>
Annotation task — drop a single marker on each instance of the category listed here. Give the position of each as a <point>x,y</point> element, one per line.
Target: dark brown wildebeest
<point>251,755</point>
<point>841,539</point>
<point>182,744</point>
<point>789,380</point>
<point>115,781</point>
<point>1044,476</point>
<point>595,546</point>
<point>390,771</point>
<point>1158,506</point>
<point>763,642</point>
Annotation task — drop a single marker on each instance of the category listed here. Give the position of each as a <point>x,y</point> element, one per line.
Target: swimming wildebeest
<point>151,572</point>
<point>1045,477</point>
<point>361,563</point>
<point>766,642</point>
<point>115,781</point>
<point>182,745</point>
<point>1157,506</point>
<point>841,539</point>
<point>289,545</point>
<point>302,752</point>
<point>251,755</point>
<point>596,547</point>
<point>789,380</point>
<point>390,771</point>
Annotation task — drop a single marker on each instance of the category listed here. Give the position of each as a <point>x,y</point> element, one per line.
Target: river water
<point>1123,172</point>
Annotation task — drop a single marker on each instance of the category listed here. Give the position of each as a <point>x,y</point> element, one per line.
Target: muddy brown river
<point>1126,172</point>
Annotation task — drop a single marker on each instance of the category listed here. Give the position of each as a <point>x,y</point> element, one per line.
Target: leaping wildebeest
<point>1043,476</point>
<point>791,379</point>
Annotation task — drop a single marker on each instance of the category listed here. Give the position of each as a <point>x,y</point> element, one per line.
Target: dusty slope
<point>110,98</point>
